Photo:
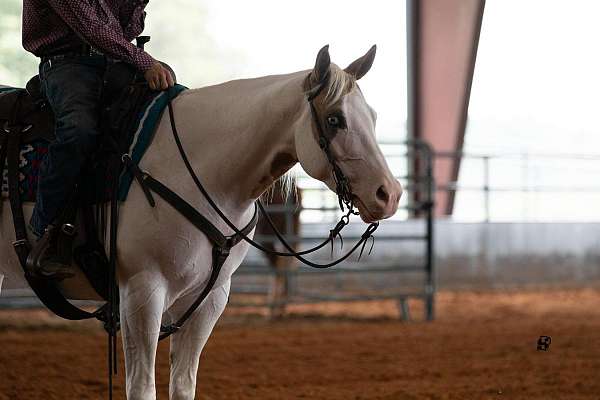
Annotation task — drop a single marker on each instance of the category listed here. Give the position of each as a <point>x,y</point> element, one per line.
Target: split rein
<point>343,192</point>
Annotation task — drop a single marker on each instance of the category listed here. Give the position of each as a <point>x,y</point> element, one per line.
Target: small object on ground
<point>543,343</point>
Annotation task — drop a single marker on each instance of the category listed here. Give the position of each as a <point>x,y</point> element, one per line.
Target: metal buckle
<point>6,128</point>
<point>68,229</point>
<point>92,51</point>
<point>170,329</point>
<point>126,159</point>
<point>19,243</point>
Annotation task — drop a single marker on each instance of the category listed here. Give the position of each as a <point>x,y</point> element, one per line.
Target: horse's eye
<point>333,121</point>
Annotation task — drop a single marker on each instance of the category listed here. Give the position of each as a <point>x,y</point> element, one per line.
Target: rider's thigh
<point>73,89</point>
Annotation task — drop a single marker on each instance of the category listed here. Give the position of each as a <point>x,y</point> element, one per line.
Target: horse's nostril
<point>382,194</point>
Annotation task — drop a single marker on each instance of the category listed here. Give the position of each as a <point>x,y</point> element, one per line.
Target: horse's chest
<point>192,265</point>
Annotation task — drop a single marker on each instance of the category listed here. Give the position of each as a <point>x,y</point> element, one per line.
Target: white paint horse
<point>240,137</point>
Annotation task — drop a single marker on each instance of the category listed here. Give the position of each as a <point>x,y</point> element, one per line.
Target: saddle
<point>130,112</point>
<point>26,118</point>
<point>28,108</point>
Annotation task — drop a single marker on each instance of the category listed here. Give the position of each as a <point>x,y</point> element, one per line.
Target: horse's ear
<point>361,66</point>
<point>322,65</point>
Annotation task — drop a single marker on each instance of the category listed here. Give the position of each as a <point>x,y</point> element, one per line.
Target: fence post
<point>486,186</point>
<point>429,248</point>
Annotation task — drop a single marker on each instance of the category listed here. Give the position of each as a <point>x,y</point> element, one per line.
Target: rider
<point>74,38</point>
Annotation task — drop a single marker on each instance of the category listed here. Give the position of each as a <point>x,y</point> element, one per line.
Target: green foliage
<point>179,37</point>
<point>16,64</point>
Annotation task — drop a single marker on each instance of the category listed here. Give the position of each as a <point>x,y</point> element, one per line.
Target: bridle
<point>342,183</point>
<point>342,188</point>
<point>221,244</point>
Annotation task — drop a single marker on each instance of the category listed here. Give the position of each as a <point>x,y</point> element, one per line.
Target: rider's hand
<point>158,77</point>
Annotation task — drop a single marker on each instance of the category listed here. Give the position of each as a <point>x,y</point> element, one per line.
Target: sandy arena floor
<point>482,346</point>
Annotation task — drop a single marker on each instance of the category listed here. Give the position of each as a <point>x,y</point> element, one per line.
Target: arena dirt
<point>482,346</point>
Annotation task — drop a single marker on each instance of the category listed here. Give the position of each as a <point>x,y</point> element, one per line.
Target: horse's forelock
<point>340,83</point>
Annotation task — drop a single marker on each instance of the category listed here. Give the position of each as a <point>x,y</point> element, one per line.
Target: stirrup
<point>33,264</point>
<point>38,250</point>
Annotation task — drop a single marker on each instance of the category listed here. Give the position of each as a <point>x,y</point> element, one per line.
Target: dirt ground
<point>482,346</point>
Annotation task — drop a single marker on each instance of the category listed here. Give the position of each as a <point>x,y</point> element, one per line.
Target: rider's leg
<point>187,343</point>
<point>73,88</point>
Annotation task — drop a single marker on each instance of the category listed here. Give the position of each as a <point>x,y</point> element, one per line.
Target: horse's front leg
<point>142,299</point>
<point>188,342</point>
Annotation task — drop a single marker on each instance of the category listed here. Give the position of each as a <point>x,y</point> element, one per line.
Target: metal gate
<point>258,284</point>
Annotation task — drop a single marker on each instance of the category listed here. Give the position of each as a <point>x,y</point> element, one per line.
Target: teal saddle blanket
<point>140,138</point>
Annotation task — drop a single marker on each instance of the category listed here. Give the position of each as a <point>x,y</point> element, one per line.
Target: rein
<point>343,192</point>
<point>223,244</point>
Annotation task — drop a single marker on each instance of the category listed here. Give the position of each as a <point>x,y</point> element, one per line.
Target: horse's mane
<point>286,185</point>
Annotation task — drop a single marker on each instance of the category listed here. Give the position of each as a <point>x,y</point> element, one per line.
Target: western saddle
<point>25,117</point>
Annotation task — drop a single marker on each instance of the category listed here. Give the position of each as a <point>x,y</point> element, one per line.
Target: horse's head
<point>347,129</point>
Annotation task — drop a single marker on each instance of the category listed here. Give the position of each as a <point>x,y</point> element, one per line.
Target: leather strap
<point>14,130</point>
<point>221,244</point>
<point>139,177</point>
<point>219,256</point>
<point>195,218</point>
<point>291,252</point>
<point>3,148</point>
<point>45,291</point>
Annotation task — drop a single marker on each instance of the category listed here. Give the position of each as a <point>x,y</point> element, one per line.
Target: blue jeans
<point>72,86</point>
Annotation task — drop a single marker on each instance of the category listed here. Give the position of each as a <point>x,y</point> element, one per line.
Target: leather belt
<point>83,50</point>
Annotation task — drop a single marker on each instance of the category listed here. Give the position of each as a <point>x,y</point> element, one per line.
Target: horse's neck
<point>239,136</point>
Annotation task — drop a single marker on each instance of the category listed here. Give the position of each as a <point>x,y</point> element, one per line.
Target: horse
<point>240,137</point>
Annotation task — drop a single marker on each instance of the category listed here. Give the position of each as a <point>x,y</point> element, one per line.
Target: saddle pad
<point>33,154</point>
<point>6,89</point>
<point>143,135</point>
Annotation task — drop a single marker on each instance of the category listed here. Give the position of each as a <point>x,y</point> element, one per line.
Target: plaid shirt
<point>50,26</point>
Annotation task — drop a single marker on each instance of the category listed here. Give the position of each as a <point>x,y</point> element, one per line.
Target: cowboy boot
<point>44,261</point>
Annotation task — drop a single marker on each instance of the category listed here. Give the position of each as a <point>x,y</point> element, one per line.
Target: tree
<point>179,37</point>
